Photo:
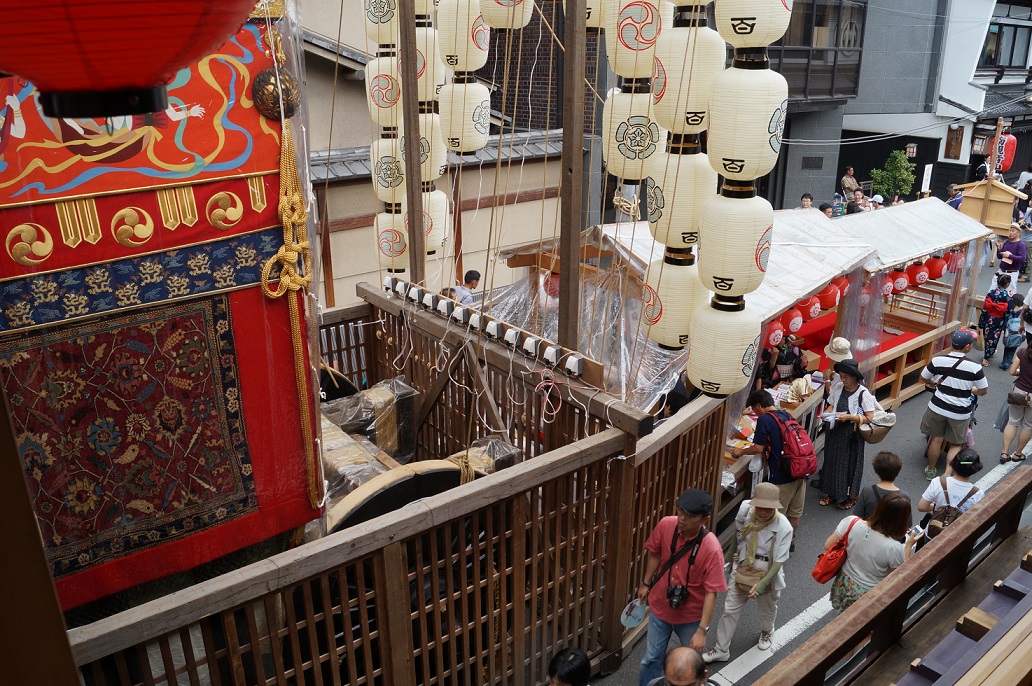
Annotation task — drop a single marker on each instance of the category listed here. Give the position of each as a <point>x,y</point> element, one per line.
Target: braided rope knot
<point>628,206</point>
<point>289,278</point>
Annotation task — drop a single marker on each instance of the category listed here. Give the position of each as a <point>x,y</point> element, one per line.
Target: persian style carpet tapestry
<point>153,324</point>
<point>130,430</point>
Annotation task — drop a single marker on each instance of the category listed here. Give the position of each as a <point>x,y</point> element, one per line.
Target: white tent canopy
<point>806,253</point>
<point>903,233</point>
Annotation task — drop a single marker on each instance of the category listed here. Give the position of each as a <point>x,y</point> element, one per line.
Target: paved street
<point>804,606</point>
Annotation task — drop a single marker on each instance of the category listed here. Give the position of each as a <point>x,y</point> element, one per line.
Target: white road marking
<point>754,657</point>
<point>739,668</point>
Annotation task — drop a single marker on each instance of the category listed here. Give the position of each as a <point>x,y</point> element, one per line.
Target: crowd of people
<point>686,568</point>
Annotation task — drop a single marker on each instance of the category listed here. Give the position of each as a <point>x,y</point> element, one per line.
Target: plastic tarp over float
<point>155,389</point>
<point>637,370</point>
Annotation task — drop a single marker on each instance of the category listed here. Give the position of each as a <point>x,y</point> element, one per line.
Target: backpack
<point>798,458</point>
<point>944,515</point>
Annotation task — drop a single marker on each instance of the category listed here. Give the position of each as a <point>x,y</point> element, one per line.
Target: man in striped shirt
<point>955,381</point>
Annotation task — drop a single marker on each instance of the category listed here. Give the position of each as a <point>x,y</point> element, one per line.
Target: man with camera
<point>684,571</point>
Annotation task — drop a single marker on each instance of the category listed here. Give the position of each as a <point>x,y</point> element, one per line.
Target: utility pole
<point>572,175</point>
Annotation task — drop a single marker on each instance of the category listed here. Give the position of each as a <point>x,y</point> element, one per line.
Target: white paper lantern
<point>752,23</point>
<point>672,292</point>
<point>433,155</point>
<point>383,90</point>
<point>436,218</point>
<point>465,115</point>
<point>687,62</point>
<point>507,14</point>
<point>388,169</point>
<point>632,28</point>
<point>425,7</point>
<point>392,240</point>
<point>381,21</point>
<point>594,13</point>
<point>463,34</point>
<point>676,189</point>
<point>429,69</point>
<point>747,119</point>
<point>630,135</point>
<point>734,243</point>
<point>724,342</point>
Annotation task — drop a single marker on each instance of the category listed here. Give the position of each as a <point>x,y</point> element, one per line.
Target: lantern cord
<point>294,217</point>
<point>896,134</point>
<point>563,48</point>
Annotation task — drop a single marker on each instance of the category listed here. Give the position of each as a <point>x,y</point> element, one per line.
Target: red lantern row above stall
<point>917,273</point>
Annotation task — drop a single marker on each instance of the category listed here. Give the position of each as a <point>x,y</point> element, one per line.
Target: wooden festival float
<point>176,297</point>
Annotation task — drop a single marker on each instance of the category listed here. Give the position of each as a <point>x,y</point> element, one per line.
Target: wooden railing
<point>886,612</point>
<point>478,585</point>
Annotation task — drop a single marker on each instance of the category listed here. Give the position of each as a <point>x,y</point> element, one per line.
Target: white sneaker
<point>714,655</point>
<point>765,640</point>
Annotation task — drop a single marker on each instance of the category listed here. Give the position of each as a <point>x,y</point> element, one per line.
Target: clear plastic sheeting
<point>348,461</point>
<point>489,455</point>
<point>636,370</point>
<point>384,414</point>
<point>907,232</point>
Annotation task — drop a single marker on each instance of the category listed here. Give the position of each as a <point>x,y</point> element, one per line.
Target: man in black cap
<point>955,381</point>
<point>684,571</point>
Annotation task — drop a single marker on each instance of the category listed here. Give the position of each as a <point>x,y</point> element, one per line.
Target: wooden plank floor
<point>920,640</point>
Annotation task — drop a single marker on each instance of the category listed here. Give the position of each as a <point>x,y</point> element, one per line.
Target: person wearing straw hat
<point>843,467</point>
<point>837,350</point>
<point>758,551</point>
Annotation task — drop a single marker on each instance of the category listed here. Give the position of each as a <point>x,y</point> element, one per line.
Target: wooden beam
<point>614,412</point>
<point>572,172</point>
<point>484,391</point>
<point>436,389</point>
<point>32,629</point>
<point>407,62</point>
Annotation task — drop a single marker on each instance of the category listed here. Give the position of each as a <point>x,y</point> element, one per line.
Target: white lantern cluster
<point>465,103</point>
<point>747,110</point>
<point>387,156</point>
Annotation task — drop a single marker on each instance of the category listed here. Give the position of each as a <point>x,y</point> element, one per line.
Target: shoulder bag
<point>944,515</point>
<point>830,562</point>
<point>878,428</point>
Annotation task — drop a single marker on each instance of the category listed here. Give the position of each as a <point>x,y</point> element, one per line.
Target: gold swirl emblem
<point>224,210</point>
<point>132,227</point>
<point>25,246</point>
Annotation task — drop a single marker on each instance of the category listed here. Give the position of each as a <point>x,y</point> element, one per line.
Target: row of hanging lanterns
<point>747,109</point>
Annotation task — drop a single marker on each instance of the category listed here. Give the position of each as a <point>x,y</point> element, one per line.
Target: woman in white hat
<point>837,350</point>
<point>843,466</point>
<point>761,546</point>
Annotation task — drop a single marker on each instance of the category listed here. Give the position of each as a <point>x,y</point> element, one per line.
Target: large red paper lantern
<point>900,280</point>
<point>810,308</point>
<point>936,266</point>
<point>792,320</point>
<point>829,297</point>
<point>886,286</point>
<point>103,59</point>
<point>775,334</point>
<point>917,273</point>
<point>954,261</point>
<point>1006,146</point>
<point>842,283</point>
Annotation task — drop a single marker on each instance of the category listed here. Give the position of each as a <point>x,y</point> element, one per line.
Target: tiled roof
<point>1005,103</point>
<point>345,164</point>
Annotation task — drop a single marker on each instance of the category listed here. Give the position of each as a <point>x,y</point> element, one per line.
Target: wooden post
<point>32,629</point>
<point>329,297</point>
<point>410,130</point>
<point>396,628</point>
<point>574,41</point>
<point>621,558</point>
<point>457,223</point>
<point>992,169</point>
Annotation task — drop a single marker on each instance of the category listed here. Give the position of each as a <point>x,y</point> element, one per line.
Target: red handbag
<point>830,562</point>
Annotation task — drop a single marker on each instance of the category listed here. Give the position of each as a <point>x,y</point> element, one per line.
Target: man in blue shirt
<point>955,197</point>
<point>767,441</point>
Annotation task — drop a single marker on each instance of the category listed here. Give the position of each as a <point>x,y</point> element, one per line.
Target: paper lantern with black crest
<point>436,217</point>
<point>388,169</point>
<point>679,182</point>
<point>632,28</point>
<point>392,239</point>
<point>630,134</point>
<point>672,292</point>
<point>507,14</point>
<point>465,114</point>
<point>748,108</point>
<point>430,72</point>
<point>689,57</point>
<point>724,343</point>
<point>752,23</point>
<point>433,154</point>
<point>735,239</point>
<point>463,35</point>
<point>104,59</point>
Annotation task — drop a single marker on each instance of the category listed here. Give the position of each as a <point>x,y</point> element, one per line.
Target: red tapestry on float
<point>151,382</point>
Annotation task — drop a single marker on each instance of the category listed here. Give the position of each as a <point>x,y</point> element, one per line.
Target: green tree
<point>895,178</point>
